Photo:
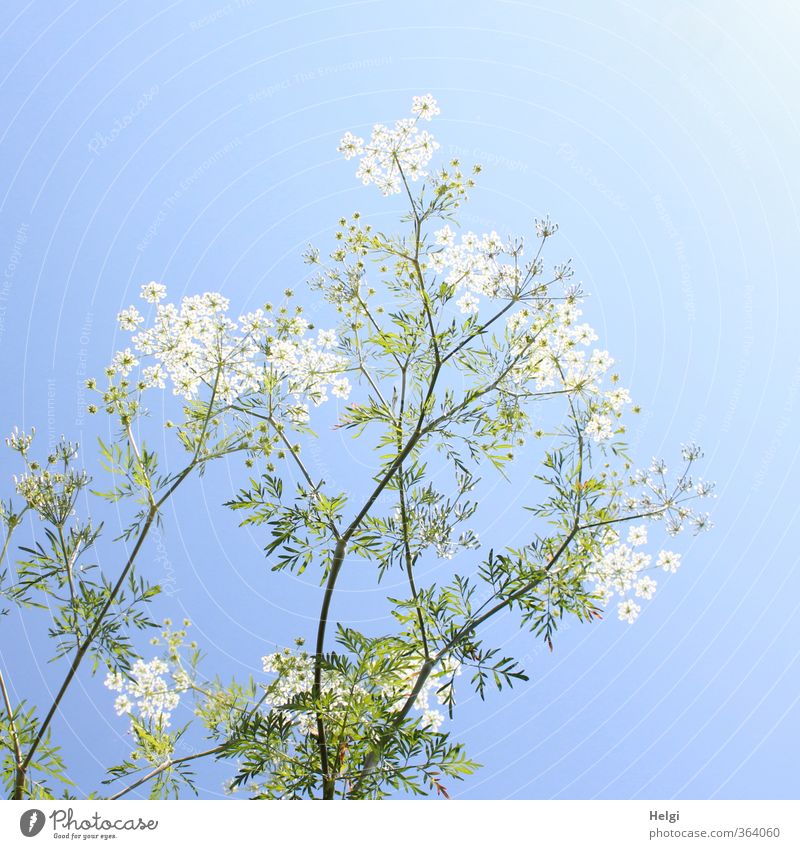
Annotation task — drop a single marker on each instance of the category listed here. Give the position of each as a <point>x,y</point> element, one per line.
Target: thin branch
<point>370,762</point>
<point>328,782</point>
<point>378,329</point>
<point>9,533</point>
<point>365,371</point>
<point>294,455</point>
<point>619,519</point>
<point>94,630</point>
<point>415,262</point>
<point>396,468</point>
<point>401,488</point>
<point>84,647</point>
<point>19,781</point>
<point>168,764</point>
<point>69,562</point>
<point>490,387</point>
<point>135,447</point>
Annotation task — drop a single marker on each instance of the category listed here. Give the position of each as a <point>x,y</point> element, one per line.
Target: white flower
<point>704,489</point>
<point>618,570</point>
<point>599,363</point>
<point>155,700</point>
<point>298,326</point>
<point>340,388</point>
<point>254,322</point>
<point>195,344</point>
<point>114,681</point>
<point>674,526</point>
<point>544,227</point>
<point>153,292</point>
<point>637,535</point>
<point>425,107</point>
<point>617,398</point>
<point>669,561</point>
<point>584,334</point>
<point>599,428</point>
<point>691,452</point>
<point>124,361</point>
<point>432,720</point>
<point>645,587</point>
<point>702,522</point>
<point>517,321</point>
<point>628,610</point>
<point>326,338</point>
<point>445,236</point>
<point>351,145</point>
<point>491,243</point>
<point>192,343</point>
<point>153,377</point>
<point>182,681</point>
<point>129,318</point>
<point>295,675</point>
<point>468,303</point>
<point>122,704</point>
<point>19,440</point>
<point>476,265</point>
<point>147,691</point>
<point>308,369</point>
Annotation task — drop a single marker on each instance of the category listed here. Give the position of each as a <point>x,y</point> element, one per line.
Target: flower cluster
<point>52,490</point>
<point>51,494</point>
<point>475,265</point>
<point>148,690</point>
<point>621,569</point>
<point>671,501</point>
<point>20,441</point>
<point>481,266</point>
<point>394,155</point>
<point>558,359</point>
<point>196,345</point>
<point>193,344</point>
<point>310,367</point>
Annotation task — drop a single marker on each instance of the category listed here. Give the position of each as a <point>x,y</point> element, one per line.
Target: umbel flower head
<point>195,346</point>
<point>146,692</point>
<point>395,154</point>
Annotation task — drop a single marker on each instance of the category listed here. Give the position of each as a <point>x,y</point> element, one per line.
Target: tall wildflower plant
<point>452,345</point>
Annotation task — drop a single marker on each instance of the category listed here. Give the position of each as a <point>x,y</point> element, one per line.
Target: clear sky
<point>194,143</point>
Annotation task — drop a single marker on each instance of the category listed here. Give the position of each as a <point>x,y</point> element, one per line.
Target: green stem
<point>19,774</point>
<point>168,764</point>
<point>150,517</point>
<point>84,646</point>
<point>328,780</point>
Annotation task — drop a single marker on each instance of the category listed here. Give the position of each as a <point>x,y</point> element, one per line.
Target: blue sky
<point>195,143</point>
